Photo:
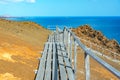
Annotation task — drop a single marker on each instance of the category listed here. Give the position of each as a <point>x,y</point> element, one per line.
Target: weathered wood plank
<point>63,74</point>
<point>53,38</point>
<point>68,64</point>
<point>70,49</point>
<point>68,44</point>
<point>55,66</point>
<point>41,69</point>
<point>50,38</point>
<point>48,65</point>
<point>61,37</point>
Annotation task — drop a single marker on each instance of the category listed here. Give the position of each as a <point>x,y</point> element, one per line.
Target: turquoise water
<point>109,26</point>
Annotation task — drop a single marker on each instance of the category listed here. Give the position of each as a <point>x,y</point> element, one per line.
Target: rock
<point>86,32</point>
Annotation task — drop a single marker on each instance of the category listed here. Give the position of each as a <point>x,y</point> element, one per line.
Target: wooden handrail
<point>87,54</point>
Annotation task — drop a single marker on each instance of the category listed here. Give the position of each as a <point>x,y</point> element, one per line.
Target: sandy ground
<point>20,47</point>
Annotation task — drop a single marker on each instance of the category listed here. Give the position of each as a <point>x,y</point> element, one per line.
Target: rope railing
<point>68,35</point>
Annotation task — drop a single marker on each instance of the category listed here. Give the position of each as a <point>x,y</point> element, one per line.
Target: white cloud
<point>13,1</point>
<point>31,1</point>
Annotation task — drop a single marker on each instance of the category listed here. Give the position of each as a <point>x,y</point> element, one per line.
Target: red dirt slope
<point>20,45</point>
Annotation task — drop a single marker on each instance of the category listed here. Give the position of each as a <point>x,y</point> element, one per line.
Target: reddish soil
<point>20,47</point>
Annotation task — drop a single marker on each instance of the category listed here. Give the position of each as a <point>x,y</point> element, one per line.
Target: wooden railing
<point>107,52</point>
<point>68,38</point>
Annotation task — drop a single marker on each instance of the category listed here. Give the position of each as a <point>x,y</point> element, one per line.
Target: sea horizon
<point>108,25</point>
<point>28,27</point>
<point>55,16</point>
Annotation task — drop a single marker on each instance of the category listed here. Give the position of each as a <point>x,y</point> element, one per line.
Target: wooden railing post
<point>87,67</point>
<point>68,44</point>
<point>55,36</point>
<point>70,48</point>
<point>89,53</point>
<point>75,59</point>
<point>59,36</point>
<point>56,33</point>
<point>65,38</point>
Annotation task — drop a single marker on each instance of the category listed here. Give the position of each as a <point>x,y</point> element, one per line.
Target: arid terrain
<point>20,47</point>
<point>86,32</point>
<point>97,41</point>
<point>22,42</point>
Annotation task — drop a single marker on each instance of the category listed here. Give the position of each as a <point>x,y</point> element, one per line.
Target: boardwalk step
<point>54,63</point>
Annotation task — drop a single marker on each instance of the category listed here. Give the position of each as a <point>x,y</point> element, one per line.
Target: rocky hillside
<point>96,37</point>
<point>20,45</point>
<point>90,36</point>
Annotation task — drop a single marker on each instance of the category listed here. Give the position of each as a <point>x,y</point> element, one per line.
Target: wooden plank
<point>65,36</point>
<point>56,37</point>
<point>55,66</point>
<point>48,65</point>
<point>61,37</point>
<point>41,69</point>
<point>53,38</point>
<point>68,44</point>
<point>67,62</point>
<point>50,38</point>
<point>70,49</point>
<point>63,74</point>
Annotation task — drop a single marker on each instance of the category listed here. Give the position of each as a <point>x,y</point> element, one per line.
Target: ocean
<point>109,26</point>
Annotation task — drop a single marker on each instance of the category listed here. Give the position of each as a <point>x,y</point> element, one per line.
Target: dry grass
<point>20,45</point>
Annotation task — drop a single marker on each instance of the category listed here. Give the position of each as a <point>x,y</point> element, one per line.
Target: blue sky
<point>60,7</point>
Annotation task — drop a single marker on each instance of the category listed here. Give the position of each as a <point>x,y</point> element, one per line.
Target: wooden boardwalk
<point>56,61</point>
<point>55,64</point>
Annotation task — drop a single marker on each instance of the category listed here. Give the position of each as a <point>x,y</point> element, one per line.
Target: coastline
<point>109,26</point>
<point>87,34</point>
<point>22,41</point>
